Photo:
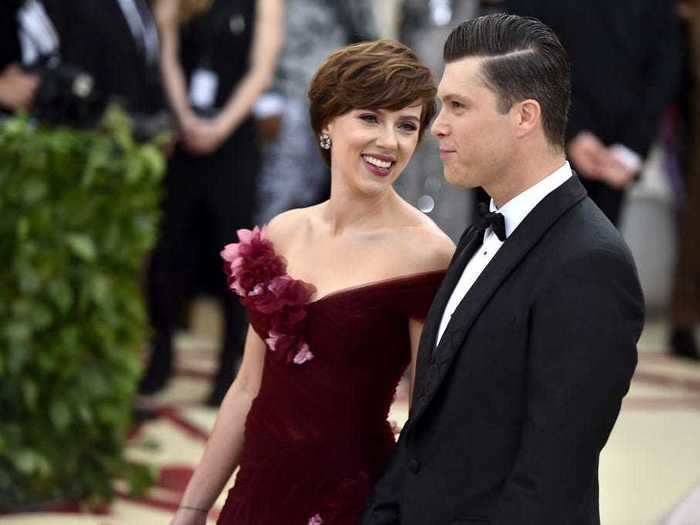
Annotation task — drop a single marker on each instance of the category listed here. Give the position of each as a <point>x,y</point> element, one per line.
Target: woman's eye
<point>369,118</point>
<point>456,105</point>
<point>408,127</point>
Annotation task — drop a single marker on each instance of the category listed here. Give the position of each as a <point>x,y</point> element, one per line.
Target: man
<point>626,60</point>
<point>530,344</point>
<point>116,41</point>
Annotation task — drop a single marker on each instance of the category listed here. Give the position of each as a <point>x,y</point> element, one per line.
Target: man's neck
<point>524,174</point>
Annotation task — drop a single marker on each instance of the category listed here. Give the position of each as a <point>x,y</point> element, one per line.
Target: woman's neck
<point>352,211</point>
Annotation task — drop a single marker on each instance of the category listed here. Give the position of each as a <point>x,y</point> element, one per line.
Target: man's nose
<point>439,128</point>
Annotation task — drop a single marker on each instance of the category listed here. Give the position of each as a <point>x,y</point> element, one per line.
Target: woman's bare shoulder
<point>424,246</point>
<point>289,225</point>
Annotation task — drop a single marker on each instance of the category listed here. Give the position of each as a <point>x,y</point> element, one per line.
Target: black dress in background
<point>208,196</point>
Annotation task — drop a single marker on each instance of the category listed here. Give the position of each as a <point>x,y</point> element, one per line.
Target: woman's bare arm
<point>268,38</point>
<point>166,15</point>
<point>222,453</point>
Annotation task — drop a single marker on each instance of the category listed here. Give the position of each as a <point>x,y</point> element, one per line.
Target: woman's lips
<point>383,170</point>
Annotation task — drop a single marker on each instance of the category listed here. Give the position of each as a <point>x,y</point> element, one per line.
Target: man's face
<point>476,139</point>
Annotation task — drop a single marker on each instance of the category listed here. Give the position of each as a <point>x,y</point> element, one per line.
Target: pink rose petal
<point>303,355</point>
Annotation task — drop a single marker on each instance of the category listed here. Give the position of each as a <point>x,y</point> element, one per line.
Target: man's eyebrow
<point>451,96</point>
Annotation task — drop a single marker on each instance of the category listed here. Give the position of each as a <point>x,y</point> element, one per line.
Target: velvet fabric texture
<point>317,435</point>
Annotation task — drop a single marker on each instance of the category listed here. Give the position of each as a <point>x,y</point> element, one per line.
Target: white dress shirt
<point>514,212</point>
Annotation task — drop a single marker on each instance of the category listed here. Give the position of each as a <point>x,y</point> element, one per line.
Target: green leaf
<point>18,331</point>
<point>100,289</point>
<point>82,246</point>
<point>34,191</point>
<point>60,415</point>
<point>22,228</point>
<point>61,295</point>
<point>20,353</point>
<point>152,160</point>
<point>30,390</point>
<point>29,280</point>
<point>27,461</point>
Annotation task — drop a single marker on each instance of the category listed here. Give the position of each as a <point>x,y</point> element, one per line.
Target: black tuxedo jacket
<point>513,407</point>
<point>95,35</point>
<point>10,51</point>
<point>625,63</point>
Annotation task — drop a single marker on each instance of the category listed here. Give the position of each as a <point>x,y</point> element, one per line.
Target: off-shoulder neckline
<point>375,284</point>
<point>359,287</point>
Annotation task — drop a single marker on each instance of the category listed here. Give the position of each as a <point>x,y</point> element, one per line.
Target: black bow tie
<point>495,220</point>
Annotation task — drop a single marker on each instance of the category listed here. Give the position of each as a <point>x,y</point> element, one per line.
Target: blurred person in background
<point>217,57</point>
<point>292,174</point>
<point>17,87</point>
<point>116,43</point>
<point>685,298</point>
<point>625,66</point>
<point>424,26</point>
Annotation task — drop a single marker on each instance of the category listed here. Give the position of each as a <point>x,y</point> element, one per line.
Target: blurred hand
<point>189,517</point>
<point>589,155</point>
<point>17,88</point>
<point>203,135</point>
<point>615,173</point>
<point>686,8</point>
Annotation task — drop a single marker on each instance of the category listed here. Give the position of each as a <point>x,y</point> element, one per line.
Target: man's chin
<point>455,178</point>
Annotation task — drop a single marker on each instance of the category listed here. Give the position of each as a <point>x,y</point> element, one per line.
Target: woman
<point>335,294</point>
<point>313,29</point>
<point>217,57</point>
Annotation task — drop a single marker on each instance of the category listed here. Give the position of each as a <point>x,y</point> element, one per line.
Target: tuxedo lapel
<point>513,251</point>
<point>468,244</point>
<point>125,32</point>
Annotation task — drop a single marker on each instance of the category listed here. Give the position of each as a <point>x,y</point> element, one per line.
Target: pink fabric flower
<point>303,355</point>
<point>315,520</point>
<point>258,275</point>
<point>251,261</point>
<point>280,292</point>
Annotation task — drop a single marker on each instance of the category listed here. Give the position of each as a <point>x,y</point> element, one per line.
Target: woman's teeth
<point>385,164</point>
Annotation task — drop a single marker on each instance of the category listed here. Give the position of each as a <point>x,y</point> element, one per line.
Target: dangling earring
<point>325,141</point>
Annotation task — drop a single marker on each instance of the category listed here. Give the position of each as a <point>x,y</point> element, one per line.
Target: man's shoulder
<point>584,238</point>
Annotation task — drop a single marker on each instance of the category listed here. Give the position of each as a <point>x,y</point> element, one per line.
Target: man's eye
<point>456,105</point>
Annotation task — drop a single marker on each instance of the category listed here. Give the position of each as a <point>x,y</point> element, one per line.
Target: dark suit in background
<point>625,64</point>
<point>95,35</point>
<point>9,41</point>
<point>511,410</point>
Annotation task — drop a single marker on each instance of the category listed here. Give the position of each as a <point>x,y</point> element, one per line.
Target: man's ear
<point>527,115</point>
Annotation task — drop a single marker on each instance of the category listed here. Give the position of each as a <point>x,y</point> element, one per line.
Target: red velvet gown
<point>317,436</point>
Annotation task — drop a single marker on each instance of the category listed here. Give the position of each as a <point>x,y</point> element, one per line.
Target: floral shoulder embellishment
<point>259,276</point>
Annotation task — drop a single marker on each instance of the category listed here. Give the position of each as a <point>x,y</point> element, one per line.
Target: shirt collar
<point>515,210</point>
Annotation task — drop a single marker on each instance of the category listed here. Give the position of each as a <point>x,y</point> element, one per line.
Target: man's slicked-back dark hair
<point>523,59</point>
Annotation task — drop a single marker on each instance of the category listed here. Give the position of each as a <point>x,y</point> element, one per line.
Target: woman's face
<point>370,148</point>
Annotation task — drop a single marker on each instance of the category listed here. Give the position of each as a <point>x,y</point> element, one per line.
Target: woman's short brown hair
<point>383,74</point>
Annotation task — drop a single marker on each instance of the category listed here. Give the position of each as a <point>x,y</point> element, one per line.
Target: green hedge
<point>78,214</point>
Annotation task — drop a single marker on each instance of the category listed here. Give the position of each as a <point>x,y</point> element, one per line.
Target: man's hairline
<point>485,58</point>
